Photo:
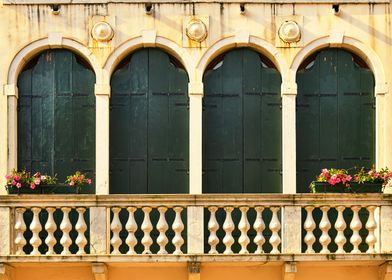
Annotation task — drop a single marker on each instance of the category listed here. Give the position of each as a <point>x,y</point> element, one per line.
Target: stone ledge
<point>273,259</point>
<point>46,2</point>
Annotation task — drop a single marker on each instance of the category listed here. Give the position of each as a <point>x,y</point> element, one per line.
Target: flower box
<point>324,187</point>
<point>45,189</point>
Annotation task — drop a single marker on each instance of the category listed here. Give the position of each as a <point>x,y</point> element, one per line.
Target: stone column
<point>102,97</point>
<point>195,213</point>
<point>381,148</point>
<point>99,231</point>
<point>289,92</point>
<point>5,231</point>
<point>291,230</point>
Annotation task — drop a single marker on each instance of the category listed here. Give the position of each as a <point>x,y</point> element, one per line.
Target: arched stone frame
<point>373,61</point>
<point>53,41</point>
<point>147,39</point>
<point>243,39</point>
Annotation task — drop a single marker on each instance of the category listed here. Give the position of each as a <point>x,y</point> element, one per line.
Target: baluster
<point>177,227</point>
<point>340,226</point>
<point>81,227</point>
<point>371,226</point>
<point>244,226</point>
<point>274,226</point>
<point>228,227</point>
<point>355,225</point>
<point>65,228</point>
<point>146,228</point>
<point>325,226</point>
<point>35,228</point>
<point>50,228</point>
<point>20,228</point>
<point>116,228</point>
<point>131,227</point>
<point>213,227</point>
<point>259,227</point>
<point>309,226</point>
<point>162,227</point>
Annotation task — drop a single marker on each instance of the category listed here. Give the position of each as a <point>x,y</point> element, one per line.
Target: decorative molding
<point>242,38</point>
<point>99,271</point>
<point>6,272</point>
<point>55,40</point>
<point>336,38</point>
<point>385,271</point>
<point>149,38</point>
<point>289,270</point>
<point>194,267</point>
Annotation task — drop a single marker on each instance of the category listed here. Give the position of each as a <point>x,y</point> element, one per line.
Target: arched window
<point>242,124</point>
<point>335,114</point>
<point>149,125</point>
<point>56,115</point>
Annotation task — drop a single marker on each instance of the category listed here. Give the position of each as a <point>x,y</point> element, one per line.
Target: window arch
<point>242,124</point>
<point>149,124</point>
<point>56,115</point>
<point>335,116</point>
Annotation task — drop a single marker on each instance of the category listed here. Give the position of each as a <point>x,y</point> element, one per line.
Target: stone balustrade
<point>269,224</point>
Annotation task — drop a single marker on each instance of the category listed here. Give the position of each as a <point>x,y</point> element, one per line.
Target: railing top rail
<point>220,200</point>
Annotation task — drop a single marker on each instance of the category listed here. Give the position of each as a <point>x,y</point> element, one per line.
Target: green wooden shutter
<point>242,125</point>
<point>335,115</point>
<point>149,125</point>
<point>56,115</point>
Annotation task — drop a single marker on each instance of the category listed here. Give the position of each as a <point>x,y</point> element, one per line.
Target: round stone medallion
<point>102,31</point>
<point>289,32</point>
<point>196,30</point>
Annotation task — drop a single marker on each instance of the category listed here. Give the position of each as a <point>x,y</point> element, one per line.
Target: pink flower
<point>13,182</point>
<point>37,181</point>
<point>18,185</point>
<point>32,186</point>
<point>7,177</point>
<point>72,183</point>
<point>348,178</point>
<point>43,177</point>
<point>89,181</point>
<point>17,178</point>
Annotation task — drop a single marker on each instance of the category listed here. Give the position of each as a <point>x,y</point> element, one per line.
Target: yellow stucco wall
<point>361,28</point>
<point>210,271</point>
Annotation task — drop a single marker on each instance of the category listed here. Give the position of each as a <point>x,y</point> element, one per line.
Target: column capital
<point>102,89</point>
<point>288,88</point>
<point>195,88</point>
<point>381,89</point>
<point>11,90</point>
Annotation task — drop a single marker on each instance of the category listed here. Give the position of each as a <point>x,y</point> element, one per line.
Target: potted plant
<point>331,180</point>
<point>78,180</point>
<point>19,181</point>
<point>360,181</point>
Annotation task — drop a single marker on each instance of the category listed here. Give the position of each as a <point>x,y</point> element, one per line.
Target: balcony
<point>195,228</point>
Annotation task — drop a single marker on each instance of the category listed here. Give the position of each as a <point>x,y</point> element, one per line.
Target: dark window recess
<point>242,124</point>
<point>335,119</point>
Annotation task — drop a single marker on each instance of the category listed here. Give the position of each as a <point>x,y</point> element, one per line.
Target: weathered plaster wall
<point>362,28</point>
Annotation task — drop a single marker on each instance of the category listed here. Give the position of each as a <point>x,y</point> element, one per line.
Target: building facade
<point>202,124</point>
